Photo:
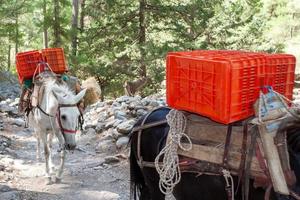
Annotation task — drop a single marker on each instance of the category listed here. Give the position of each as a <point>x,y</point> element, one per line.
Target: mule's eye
<point>63,117</point>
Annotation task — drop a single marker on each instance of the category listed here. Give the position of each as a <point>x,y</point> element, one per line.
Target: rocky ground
<point>98,169</point>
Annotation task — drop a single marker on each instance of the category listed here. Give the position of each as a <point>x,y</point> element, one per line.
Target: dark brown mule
<point>145,180</point>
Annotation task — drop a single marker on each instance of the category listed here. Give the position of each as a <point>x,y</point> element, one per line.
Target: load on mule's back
<point>51,105</point>
<point>236,147</point>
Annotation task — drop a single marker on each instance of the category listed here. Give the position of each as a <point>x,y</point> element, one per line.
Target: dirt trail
<point>87,175</point>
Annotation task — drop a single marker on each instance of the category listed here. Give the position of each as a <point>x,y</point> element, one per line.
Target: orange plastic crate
<point>220,85</point>
<point>26,64</point>
<point>55,58</point>
<point>280,73</point>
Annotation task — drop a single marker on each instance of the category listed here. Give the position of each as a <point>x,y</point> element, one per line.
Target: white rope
<point>169,171</point>
<point>227,176</point>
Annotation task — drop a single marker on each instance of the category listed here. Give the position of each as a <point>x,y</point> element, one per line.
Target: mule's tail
<point>137,182</point>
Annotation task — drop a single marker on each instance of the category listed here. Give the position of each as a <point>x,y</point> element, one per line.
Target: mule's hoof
<point>49,181</point>
<point>57,180</point>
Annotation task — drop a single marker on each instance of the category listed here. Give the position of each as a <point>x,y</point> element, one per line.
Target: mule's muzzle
<point>70,146</point>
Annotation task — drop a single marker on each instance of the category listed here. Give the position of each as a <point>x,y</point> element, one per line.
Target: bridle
<point>58,117</point>
<point>62,129</point>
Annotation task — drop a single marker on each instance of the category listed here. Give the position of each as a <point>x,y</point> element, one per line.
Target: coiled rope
<point>168,169</point>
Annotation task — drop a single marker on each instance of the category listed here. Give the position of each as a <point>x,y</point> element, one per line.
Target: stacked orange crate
<point>56,59</point>
<point>31,62</point>
<point>26,64</point>
<point>223,85</point>
<point>219,85</point>
<point>280,73</point>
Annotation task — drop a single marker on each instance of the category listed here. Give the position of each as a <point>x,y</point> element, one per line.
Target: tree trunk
<point>8,56</point>
<point>75,6</point>
<point>102,87</point>
<point>17,34</point>
<point>56,25</point>
<point>82,14</point>
<point>142,39</point>
<point>44,25</point>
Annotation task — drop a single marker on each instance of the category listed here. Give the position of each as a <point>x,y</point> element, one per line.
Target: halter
<point>62,129</point>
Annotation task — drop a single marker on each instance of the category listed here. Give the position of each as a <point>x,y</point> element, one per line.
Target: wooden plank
<point>201,128</point>
<point>215,155</point>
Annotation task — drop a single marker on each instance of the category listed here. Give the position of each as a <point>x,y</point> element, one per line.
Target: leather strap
<point>227,145</point>
<point>248,160</point>
<point>243,154</point>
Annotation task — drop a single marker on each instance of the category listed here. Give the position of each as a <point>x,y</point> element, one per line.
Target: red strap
<point>60,125</point>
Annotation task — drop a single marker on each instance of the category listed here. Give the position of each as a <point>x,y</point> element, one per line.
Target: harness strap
<point>243,155</point>
<point>38,106</point>
<point>149,125</point>
<point>59,121</point>
<point>140,129</point>
<point>249,156</point>
<point>139,155</point>
<point>227,145</point>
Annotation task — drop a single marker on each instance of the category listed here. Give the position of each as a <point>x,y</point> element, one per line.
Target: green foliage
<point>109,47</point>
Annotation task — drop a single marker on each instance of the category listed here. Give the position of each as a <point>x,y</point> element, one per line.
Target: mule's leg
<point>152,181</point>
<point>61,166</point>
<point>43,136</point>
<point>38,146</point>
<point>59,172</point>
<point>49,143</point>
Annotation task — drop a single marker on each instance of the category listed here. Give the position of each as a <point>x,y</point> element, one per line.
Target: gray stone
<point>106,146</point>
<point>96,195</point>
<point>23,133</point>
<point>90,131</point>
<point>11,195</point>
<point>154,104</point>
<point>126,126</point>
<point>102,116</point>
<point>123,99</point>
<point>116,135</point>
<point>100,109</point>
<point>111,160</point>
<point>6,108</point>
<point>135,105</point>
<point>120,115</point>
<point>145,102</point>
<point>18,122</point>
<point>109,124</point>
<point>5,188</point>
<point>141,112</point>
<point>122,142</point>
<point>116,104</point>
<point>117,122</point>
<point>100,127</point>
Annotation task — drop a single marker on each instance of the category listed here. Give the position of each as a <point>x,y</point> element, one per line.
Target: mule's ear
<point>80,95</point>
<point>57,95</point>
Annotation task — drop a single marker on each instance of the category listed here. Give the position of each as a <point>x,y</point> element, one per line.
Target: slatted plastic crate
<point>26,63</point>
<point>280,73</point>
<point>31,62</point>
<point>55,58</point>
<point>220,85</point>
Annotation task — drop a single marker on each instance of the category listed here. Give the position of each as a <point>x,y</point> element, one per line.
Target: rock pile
<point>113,119</point>
<point>9,106</point>
<point>10,87</point>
